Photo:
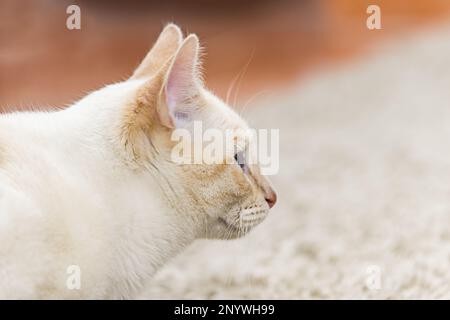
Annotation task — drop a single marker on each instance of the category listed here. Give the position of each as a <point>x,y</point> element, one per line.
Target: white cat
<point>93,185</point>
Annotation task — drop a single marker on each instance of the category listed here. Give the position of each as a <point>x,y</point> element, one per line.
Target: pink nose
<point>271,198</point>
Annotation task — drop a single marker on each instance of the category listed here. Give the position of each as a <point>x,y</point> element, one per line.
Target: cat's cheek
<point>241,184</point>
<point>213,229</point>
<point>205,171</point>
<point>218,229</point>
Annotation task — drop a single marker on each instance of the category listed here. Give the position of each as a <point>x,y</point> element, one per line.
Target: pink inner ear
<point>180,84</point>
<point>171,102</point>
<point>177,90</point>
<point>181,80</point>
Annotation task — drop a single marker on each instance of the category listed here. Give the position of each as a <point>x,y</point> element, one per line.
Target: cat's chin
<point>222,230</point>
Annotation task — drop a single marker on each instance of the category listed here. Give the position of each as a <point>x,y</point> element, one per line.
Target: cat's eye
<point>240,159</point>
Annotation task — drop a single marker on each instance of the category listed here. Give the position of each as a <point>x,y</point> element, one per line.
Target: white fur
<point>73,191</point>
<point>65,200</point>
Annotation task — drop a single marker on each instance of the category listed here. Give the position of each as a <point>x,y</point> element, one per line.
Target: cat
<point>93,187</point>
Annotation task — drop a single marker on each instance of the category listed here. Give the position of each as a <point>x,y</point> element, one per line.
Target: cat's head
<point>227,198</point>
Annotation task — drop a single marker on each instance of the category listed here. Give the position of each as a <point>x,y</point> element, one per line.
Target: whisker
<point>251,99</point>
<point>231,86</point>
<point>236,94</point>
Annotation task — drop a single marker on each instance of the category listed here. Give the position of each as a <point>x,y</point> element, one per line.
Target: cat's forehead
<point>222,114</point>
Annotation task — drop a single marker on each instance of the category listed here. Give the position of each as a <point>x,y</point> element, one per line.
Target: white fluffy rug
<point>364,183</point>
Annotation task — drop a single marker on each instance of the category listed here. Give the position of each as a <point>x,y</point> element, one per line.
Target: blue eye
<point>239,157</point>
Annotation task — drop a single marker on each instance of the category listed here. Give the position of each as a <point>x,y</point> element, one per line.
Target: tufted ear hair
<point>181,84</point>
<point>165,47</point>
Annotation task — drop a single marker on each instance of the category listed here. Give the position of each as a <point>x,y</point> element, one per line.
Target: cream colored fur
<point>93,185</point>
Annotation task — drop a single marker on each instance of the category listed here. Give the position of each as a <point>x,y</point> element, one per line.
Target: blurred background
<point>364,119</point>
<point>257,45</point>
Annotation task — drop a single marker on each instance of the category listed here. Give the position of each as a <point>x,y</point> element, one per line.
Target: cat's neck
<point>148,240</point>
<point>157,222</point>
<point>144,218</point>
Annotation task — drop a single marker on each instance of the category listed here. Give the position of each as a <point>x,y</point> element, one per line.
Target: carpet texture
<point>364,189</point>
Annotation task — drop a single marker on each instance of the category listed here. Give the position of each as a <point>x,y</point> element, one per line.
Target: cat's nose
<point>271,197</point>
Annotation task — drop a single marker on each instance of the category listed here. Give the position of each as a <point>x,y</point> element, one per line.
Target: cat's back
<point>39,201</point>
<point>23,220</point>
<point>45,167</point>
<point>25,159</point>
<point>19,162</point>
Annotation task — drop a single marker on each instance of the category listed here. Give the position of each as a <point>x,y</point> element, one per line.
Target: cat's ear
<point>165,47</point>
<point>181,83</point>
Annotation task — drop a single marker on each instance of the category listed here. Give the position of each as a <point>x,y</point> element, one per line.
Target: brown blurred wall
<point>269,43</point>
